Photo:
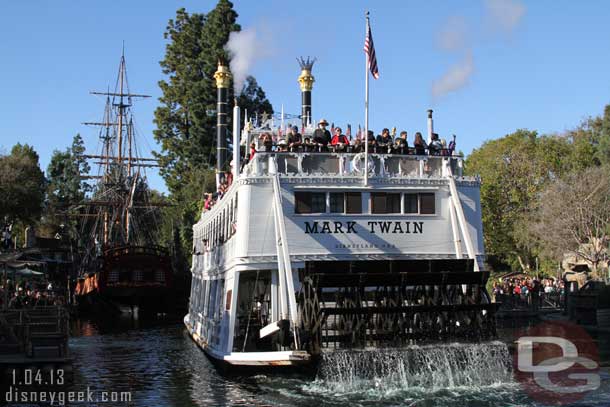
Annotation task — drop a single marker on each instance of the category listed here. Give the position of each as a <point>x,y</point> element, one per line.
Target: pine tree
<point>185,118</point>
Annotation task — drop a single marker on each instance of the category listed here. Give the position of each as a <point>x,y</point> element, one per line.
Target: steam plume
<point>246,48</point>
<point>505,14</point>
<point>456,77</point>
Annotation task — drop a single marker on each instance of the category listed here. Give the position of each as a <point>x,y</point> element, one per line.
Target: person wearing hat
<point>294,138</point>
<point>321,136</point>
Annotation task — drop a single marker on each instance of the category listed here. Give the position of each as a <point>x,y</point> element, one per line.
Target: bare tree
<point>573,217</point>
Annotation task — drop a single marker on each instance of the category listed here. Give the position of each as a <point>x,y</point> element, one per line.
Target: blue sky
<point>508,64</point>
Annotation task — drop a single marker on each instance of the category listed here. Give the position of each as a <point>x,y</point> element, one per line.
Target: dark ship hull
<point>129,278</point>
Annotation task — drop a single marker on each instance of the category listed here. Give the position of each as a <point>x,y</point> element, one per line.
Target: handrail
<point>350,164</point>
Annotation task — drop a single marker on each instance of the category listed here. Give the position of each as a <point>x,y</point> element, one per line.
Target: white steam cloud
<point>454,35</point>
<point>246,47</point>
<point>456,77</point>
<point>504,15</point>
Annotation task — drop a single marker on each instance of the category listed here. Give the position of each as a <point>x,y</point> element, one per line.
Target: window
<point>353,202</point>
<point>411,203</point>
<point>337,202</point>
<point>427,204</point>
<point>309,202</point>
<point>382,202</point>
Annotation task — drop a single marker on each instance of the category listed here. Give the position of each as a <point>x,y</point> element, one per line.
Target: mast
<point>118,165</point>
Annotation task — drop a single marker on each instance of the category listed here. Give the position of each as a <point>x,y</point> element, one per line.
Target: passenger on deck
<point>321,136</point>
<point>384,141</point>
<point>294,138</point>
<point>401,145</point>
<point>307,145</point>
<point>444,150</point>
<point>339,141</point>
<point>207,205</point>
<point>435,146</point>
<point>419,144</point>
<point>282,146</point>
<point>267,141</point>
<point>451,147</point>
<point>370,138</point>
<point>252,151</point>
<point>358,147</point>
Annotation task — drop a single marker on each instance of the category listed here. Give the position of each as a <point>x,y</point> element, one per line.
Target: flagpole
<point>366,109</point>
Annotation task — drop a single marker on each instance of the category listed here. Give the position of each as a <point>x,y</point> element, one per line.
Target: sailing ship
<point>122,266</point>
<point>309,252</point>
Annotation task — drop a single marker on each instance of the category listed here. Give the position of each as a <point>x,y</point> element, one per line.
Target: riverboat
<point>309,252</point>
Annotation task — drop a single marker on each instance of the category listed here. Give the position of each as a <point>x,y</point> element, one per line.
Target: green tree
<point>253,99</point>
<point>22,185</point>
<point>514,170</point>
<point>64,174</point>
<point>185,120</point>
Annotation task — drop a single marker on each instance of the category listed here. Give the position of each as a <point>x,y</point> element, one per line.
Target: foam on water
<point>415,368</point>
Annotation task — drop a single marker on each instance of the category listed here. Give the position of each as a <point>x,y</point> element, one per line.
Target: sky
<point>486,67</point>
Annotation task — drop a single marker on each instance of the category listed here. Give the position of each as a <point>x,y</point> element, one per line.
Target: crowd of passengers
<point>322,141</point>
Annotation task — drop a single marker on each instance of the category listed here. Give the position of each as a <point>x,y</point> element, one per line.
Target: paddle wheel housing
<point>358,304</point>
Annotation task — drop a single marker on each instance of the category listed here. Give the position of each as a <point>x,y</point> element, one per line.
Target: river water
<point>158,364</point>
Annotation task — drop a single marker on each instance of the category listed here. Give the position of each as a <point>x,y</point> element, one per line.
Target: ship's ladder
<point>287,297</point>
<point>458,220</point>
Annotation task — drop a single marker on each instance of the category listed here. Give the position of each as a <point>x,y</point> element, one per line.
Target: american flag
<point>369,48</point>
<point>348,133</point>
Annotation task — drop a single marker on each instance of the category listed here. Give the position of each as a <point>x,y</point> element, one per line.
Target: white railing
<point>350,164</point>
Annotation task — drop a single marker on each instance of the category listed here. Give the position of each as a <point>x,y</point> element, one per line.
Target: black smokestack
<point>306,81</point>
<point>223,79</point>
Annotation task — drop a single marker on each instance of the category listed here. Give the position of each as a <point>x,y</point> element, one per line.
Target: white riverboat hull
<point>236,361</point>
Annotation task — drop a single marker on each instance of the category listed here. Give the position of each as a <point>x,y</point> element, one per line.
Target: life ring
<point>356,163</point>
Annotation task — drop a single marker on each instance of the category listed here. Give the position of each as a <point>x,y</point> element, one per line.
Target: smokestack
<point>306,81</point>
<point>236,140</point>
<point>430,126</point>
<point>223,79</point>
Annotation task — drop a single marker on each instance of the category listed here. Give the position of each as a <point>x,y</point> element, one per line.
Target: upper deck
<point>331,164</point>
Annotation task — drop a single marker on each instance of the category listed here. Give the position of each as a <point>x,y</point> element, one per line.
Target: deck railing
<point>350,164</point>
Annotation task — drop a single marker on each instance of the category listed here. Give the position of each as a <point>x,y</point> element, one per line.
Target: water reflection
<point>161,366</point>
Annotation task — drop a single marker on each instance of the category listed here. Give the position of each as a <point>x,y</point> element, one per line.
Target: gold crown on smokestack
<point>306,79</point>
<point>222,75</point>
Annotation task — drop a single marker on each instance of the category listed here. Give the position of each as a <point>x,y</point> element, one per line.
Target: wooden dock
<point>34,339</point>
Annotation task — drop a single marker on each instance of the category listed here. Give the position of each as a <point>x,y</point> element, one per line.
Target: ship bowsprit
<point>361,304</point>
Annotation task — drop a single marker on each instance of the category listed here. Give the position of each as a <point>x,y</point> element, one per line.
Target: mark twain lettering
<point>349,227</point>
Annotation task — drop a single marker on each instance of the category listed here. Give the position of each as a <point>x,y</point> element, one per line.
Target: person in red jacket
<point>339,141</point>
